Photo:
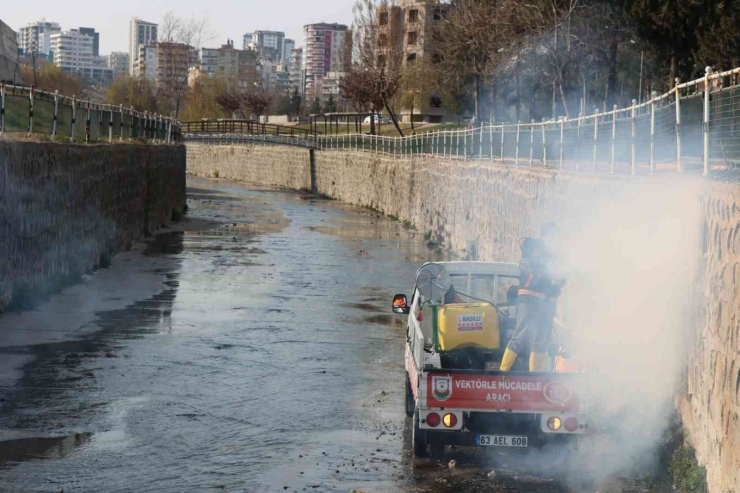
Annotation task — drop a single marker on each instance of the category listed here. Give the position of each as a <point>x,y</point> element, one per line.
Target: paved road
<point>267,362</point>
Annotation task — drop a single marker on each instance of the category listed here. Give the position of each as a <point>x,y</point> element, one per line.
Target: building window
<point>435,102</point>
<point>384,18</point>
<point>436,58</point>
<point>413,15</point>
<point>412,37</point>
<point>437,14</point>
<point>411,58</point>
<point>382,40</point>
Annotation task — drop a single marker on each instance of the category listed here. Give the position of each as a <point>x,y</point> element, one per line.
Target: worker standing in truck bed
<point>539,290</point>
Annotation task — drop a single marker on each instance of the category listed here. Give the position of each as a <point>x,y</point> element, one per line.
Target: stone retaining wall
<point>480,209</point>
<point>65,209</point>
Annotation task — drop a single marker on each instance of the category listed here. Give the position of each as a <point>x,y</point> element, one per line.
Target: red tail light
<point>433,419</point>
<point>571,424</point>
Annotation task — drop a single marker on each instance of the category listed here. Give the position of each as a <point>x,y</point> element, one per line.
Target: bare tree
<point>475,38</point>
<point>357,89</point>
<point>231,101</point>
<point>379,50</point>
<point>551,26</point>
<point>178,56</point>
<point>259,102</point>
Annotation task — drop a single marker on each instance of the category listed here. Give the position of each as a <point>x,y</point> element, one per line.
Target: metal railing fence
<point>695,125</point>
<point>28,110</point>
<point>258,139</point>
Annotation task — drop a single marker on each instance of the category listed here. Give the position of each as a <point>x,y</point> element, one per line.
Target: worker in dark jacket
<point>539,289</point>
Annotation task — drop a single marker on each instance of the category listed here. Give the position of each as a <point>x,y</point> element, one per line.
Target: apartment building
<point>288,47</point>
<point>402,30</point>
<point>36,37</point>
<point>240,65</point>
<point>141,33</point>
<point>72,51</point>
<point>326,48</point>
<point>269,45</point>
<point>118,62</point>
<point>9,71</point>
<point>89,31</point>
<point>145,65</point>
<point>296,70</point>
<point>174,62</point>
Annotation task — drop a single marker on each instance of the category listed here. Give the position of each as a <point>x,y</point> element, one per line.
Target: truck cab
<point>460,317</point>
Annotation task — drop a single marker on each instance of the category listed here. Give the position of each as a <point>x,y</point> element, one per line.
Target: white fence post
<point>490,137</point>
<point>596,138</point>
<point>614,138</point>
<point>562,131</point>
<point>2,107</point>
<point>652,132</point>
<point>578,143</point>
<point>30,110</point>
<point>678,126</point>
<point>634,137</point>
<point>56,115</point>
<point>120,114</point>
<point>480,144</point>
<point>74,113</point>
<point>708,72</point>
<point>544,144</point>
<point>502,143</point>
<point>531,143</point>
<point>518,136</point>
<point>110,126</point>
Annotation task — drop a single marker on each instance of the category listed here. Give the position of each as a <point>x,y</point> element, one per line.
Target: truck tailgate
<point>500,391</point>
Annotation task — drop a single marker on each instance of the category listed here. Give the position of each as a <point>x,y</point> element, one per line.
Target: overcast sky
<point>228,18</point>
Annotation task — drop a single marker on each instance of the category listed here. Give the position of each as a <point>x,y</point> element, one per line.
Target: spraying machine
<point>460,317</point>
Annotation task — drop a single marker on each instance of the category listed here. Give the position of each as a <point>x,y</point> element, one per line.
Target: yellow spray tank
<point>468,325</point>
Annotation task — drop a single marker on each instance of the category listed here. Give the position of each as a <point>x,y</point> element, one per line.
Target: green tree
<point>283,106</point>
<point>295,102</point>
<point>330,106</point>
<point>315,106</point>
<point>138,93</point>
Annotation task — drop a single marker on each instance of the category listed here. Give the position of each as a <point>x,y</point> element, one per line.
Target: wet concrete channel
<point>266,360</point>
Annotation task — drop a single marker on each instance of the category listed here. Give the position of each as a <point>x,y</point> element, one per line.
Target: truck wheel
<point>410,405</point>
<point>418,440</point>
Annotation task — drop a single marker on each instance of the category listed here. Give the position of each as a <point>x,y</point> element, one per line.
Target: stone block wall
<point>286,167</point>
<point>64,208</point>
<point>480,209</point>
<point>710,406</point>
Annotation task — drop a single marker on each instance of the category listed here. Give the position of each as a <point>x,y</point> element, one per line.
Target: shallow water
<point>269,361</point>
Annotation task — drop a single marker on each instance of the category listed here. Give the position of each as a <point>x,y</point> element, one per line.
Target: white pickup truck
<point>460,317</point>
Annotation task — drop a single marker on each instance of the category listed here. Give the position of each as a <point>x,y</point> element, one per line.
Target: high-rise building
<point>270,45</point>
<point>402,29</point>
<point>240,65</point>
<point>118,61</point>
<point>9,70</point>
<point>36,37</point>
<point>145,65</point>
<point>326,48</point>
<point>296,72</point>
<point>140,33</point>
<point>89,31</point>
<point>175,61</point>
<point>288,47</point>
<point>72,51</point>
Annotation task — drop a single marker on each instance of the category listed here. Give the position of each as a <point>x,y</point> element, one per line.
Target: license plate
<point>501,441</point>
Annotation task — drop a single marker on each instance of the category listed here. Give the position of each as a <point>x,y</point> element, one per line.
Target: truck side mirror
<point>400,304</point>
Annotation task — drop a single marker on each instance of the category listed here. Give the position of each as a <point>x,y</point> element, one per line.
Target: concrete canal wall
<point>656,230</point>
<point>66,209</point>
